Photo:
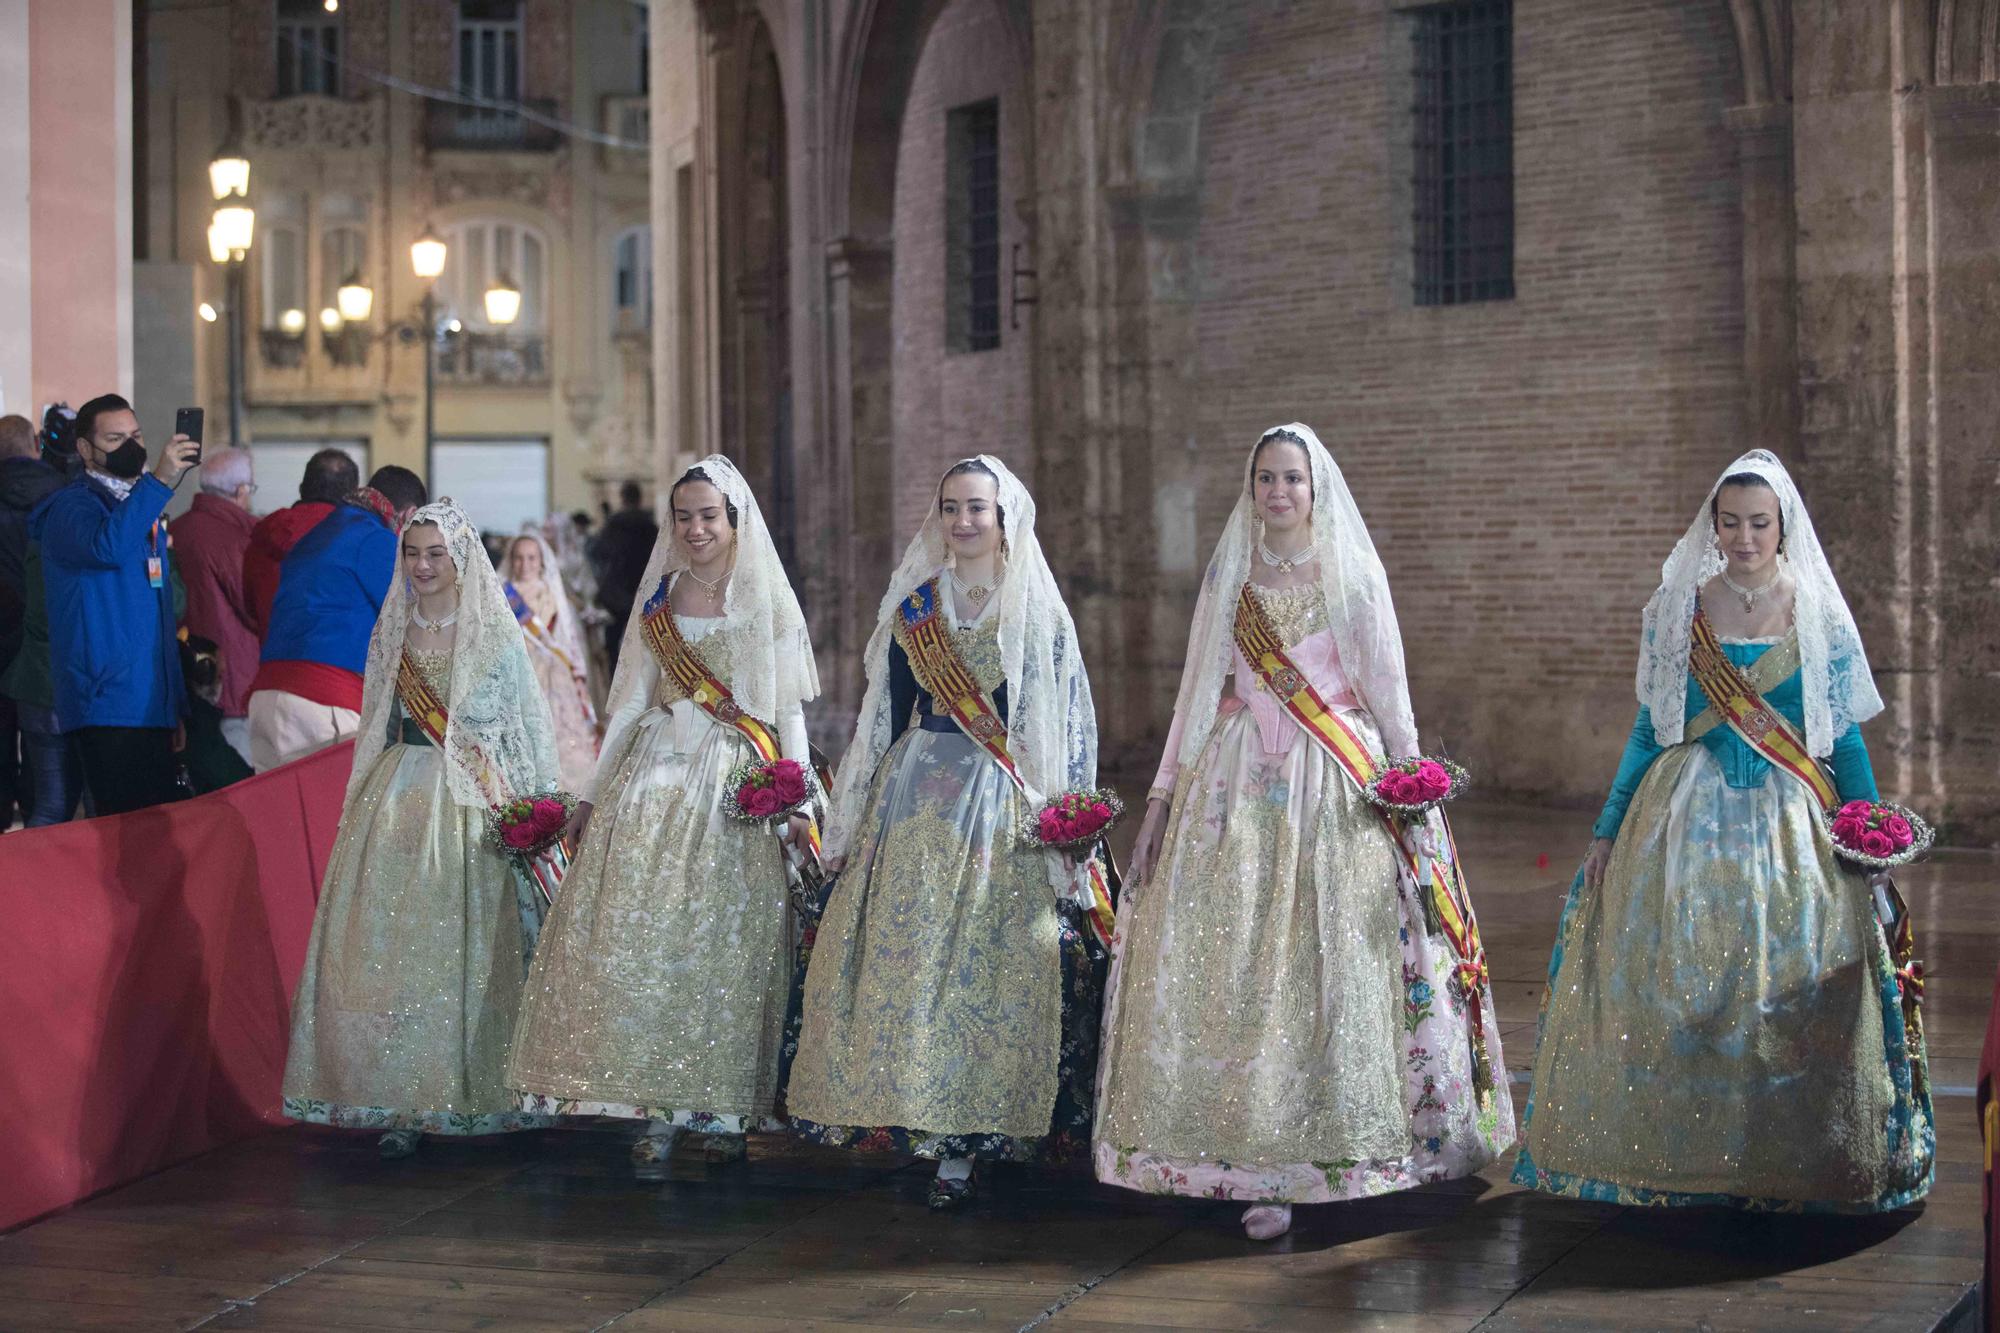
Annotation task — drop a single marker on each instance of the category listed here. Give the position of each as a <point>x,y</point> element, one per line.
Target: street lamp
<point>230,233</point>
<point>503,302</point>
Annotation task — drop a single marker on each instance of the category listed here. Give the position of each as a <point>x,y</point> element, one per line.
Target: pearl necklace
<point>977,595</point>
<point>1749,596</point>
<point>1285,564</point>
<point>438,626</point>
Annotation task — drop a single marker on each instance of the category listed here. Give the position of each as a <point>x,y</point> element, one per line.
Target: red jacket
<point>210,542</point>
<point>270,541</point>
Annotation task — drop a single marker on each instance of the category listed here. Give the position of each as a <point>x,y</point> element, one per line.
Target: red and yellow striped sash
<point>420,702</point>
<point>1443,887</point>
<point>938,667</point>
<point>678,659</point>
<point>1762,727</point>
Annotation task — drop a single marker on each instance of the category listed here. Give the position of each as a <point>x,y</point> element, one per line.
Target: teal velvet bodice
<point>1853,776</point>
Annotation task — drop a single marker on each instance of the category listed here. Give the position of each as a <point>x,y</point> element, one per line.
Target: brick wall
<point>1524,465</point>
<point>947,405</point>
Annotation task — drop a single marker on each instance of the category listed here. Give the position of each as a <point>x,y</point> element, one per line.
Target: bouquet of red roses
<point>1877,834</point>
<point>1413,786</point>
<point>1073,821</point>
<point>767,789</point>
<point>529,830</point>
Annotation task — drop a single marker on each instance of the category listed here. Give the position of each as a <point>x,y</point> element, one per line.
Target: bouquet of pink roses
<point>529,830</point>
<point>1412,786</point>
<point>1073,821</point>
<point>1878,835</point>
<point>766,789</point>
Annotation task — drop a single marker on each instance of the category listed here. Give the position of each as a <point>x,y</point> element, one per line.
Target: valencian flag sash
<point>1734,697</point>
<point>420,702</point>
<point>1763,728</point>
<point>943,673</point>
<point>686,669</point>
<point>1442,888</point>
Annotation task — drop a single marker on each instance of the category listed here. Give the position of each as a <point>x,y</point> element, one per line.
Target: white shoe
<point>1267,1221</point>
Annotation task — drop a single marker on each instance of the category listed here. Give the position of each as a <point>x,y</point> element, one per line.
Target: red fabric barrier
<point>147,963</point>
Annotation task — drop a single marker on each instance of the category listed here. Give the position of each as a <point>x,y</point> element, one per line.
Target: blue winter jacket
<point>111,632</point>
<point>330,590</point>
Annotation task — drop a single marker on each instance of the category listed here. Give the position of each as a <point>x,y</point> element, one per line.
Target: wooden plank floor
<point>304,1230</point>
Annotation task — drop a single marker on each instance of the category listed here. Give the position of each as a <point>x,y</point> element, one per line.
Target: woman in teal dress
<point>1725,1023</point>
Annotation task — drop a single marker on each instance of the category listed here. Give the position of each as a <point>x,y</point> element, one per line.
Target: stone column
<point>1770,287</point>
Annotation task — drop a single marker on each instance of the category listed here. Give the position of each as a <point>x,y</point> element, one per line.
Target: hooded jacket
<point>24,483</point>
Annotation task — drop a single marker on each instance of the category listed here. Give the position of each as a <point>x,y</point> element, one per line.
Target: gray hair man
<point>209,544</point>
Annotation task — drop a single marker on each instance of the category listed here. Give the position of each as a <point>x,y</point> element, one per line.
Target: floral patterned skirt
<point>950,1005</point>
<point>413,976</point>
<point>1281,1026</point>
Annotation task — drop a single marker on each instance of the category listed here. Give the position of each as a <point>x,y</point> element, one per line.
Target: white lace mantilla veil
<point>568,630</point>
<point>773,666</point>
<point>1839,687</point>
<point>500,740</point>
<point>1051,721</point>
<point>1356,589</point>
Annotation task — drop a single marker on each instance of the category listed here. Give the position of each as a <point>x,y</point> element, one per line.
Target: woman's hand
<point>796,828</point>
<point>1152,833</point>
<point>573,830</point>
<point>1594,863</point>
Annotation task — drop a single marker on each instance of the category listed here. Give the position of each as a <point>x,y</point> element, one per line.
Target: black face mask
<point>127,461</point>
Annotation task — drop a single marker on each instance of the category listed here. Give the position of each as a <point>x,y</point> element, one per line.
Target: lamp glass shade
<point>503,303</point>
<point>238,224</point>
<point>330,320</point>
<point>293,321</point>
<point>427,254</point>
<point>356,300</point>
<point>209,314</point>
<point>229,174</point>
<point>218,244</point>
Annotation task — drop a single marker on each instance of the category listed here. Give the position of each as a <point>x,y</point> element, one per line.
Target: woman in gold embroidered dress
<point>660,984</point>
<point>951,1005</point>
<point>1725,1022</point>
<point>420,942</point>
<point>1281,1027</point>
<point>558,649</point>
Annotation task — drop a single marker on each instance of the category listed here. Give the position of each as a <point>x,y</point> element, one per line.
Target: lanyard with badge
<point>156,569</point>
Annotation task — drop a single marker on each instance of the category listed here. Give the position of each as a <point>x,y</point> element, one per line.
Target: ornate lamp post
<point>230,231</point>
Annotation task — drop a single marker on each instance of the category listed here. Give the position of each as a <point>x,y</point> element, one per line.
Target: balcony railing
<point>504,359</point>
<point>451,126</point>
<point>283,351</point>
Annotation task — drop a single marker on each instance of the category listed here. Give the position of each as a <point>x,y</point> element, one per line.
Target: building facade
<point>515,130</point>
<point>1534,269</point>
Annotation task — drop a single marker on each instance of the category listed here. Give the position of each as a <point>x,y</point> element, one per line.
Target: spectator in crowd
<point>210,758</point>
<point>105,575</point>
<point>619,552</point>
<point>24,479</point>
<point>211,546</point>
<point>331,477</point>
<point>51,778</point>
<point>307,694</point>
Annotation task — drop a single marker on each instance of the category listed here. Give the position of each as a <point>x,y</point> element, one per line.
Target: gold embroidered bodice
<point>433,667</point>
<point>979,646</point>
<point>1295,613</point>
<point>712,643</point>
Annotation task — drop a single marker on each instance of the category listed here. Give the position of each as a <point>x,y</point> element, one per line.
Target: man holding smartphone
<point>107,582</point>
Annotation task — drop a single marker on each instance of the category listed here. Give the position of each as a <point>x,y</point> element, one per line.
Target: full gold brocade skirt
<point>1723,1024</point>
<point>413,975</point>
<point>1281,1026</point>
<point>659,985</point>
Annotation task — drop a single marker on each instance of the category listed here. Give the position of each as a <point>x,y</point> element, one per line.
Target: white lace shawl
<point>500,740</point>
<point>1051,720</point>
<point>773,670</point>
<point>567,631</point>
<point>1838,685</point>
<point>1359,610</point>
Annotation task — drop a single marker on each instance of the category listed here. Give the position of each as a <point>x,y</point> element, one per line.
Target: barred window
<point>308,49</point>
<point>1464,152</point>
<point>972,227</point>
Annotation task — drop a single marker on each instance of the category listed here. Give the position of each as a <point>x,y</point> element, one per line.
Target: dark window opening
<point>1464,152</point>
<point>972,227</point>
<point>308,49</point>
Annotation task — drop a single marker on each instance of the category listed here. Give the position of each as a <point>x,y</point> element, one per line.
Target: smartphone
<point>187,421</point>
